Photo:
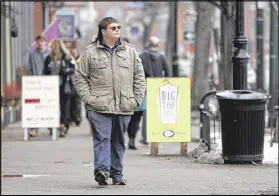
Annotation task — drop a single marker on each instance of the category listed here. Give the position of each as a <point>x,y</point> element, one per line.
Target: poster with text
<point>40,101</point>
<point>168,110</point>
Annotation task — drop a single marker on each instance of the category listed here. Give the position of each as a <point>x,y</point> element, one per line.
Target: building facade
<point>17,34</point>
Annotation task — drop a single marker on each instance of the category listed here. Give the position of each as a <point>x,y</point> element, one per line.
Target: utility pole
<point>260,51</point>
<point>240,57</point>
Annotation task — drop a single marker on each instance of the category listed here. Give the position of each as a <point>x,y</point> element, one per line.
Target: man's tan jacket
<point>108,83</point>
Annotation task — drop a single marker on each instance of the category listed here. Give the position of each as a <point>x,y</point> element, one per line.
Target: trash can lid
<point>241,95</point>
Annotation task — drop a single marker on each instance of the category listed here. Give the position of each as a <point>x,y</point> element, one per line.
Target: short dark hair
<point>40,37</point>
<point>103,24</point>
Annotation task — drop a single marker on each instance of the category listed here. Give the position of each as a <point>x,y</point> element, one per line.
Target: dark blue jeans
<point>108,140</point>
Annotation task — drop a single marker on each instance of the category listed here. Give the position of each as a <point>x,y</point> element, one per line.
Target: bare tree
<point>150,11</point>
<point>203,32</point>
<point>228,10</point>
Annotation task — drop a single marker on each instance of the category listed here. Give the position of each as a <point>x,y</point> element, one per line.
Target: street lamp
<point>240,58</point>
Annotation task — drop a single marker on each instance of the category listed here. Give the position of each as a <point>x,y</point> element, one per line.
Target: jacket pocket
<point>127,101</point>
<point>123,61</point>
<point>100,100</point>
<point>124,65</point>
<point>102,63</point>
<point>98,63</point>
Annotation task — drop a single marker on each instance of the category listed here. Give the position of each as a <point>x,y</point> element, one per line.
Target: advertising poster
<point>40,101</point>
<point>168,110</point>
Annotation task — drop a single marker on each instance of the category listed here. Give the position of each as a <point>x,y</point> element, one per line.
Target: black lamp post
<point>240,57</point>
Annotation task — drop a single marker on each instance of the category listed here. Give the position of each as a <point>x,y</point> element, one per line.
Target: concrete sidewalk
<point>67,166</point>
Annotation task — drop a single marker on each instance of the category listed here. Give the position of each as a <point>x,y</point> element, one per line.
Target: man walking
<point>36,65</point>
<point>155,65</point>
<point>110,80</point>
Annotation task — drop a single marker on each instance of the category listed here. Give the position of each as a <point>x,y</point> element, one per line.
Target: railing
<point>210,126</point>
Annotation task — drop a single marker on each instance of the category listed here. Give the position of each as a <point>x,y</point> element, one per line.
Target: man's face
<point>74,52</point>
<point>41,43</point>
<point>113,31</point>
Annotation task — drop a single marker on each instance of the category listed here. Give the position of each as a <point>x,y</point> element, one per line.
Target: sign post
<point>168,112</point>
<point>40,103</point>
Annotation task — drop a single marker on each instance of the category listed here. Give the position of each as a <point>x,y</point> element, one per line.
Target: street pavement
<point>66,167</point>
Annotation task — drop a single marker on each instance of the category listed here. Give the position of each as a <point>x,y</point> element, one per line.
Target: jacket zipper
<point>114,94</point>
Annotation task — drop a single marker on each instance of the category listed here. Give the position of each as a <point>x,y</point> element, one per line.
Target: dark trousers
<point>65,108</point>
<point>76,108</point>
<point>134,124</point>
<point>108,140</point>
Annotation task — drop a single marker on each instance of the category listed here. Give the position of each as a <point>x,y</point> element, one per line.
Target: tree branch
<point>220,7</point>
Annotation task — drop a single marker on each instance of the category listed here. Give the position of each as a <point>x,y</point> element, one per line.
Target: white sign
<point>40,101</point>
<point>168,104</point>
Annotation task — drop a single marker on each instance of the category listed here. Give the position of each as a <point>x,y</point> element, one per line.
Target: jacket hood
<point>154,55</point>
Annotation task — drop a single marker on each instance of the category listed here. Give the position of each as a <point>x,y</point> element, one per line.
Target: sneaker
<point>101,177</point>
<point>118,180</point>
<point>33,133</point>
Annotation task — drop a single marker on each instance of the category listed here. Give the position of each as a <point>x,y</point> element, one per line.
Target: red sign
<point>32,100</point>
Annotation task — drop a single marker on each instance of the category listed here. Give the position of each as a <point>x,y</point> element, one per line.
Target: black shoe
<point>131,144</point>
<point>132,147</point>
<point>77,122</point>
<point>101,177</point>
<point>67,128</point>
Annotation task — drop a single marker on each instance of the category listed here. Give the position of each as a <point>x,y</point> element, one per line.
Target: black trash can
<point>243,125</point>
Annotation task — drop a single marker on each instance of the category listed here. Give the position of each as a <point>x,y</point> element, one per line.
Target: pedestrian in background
<point>76,101</point>
<point>59,63</point>
<point>134,123</point>
<point>110,80</point>
<point>155,65</point>
<point>36,64</point>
